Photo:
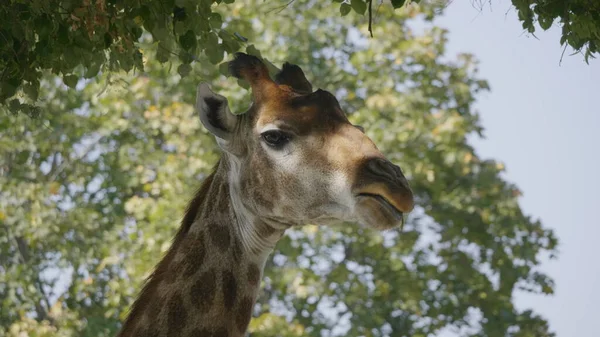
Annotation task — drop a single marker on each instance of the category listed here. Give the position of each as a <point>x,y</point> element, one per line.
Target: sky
<point>542,120</point>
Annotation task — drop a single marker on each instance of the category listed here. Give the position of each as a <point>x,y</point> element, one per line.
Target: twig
<point>67,162</point>
<point>371,17</point>
<point>12,49</point>
<point>106,85</point>
<point>562,54</point>
<point>378,7</point>
<point>41,312</point>
<point>281,8</point>
<point>3,73</point>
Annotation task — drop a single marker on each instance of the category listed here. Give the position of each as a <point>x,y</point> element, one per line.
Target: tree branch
<point>42,313</point>
<point>281,8</point>
<point>66,162</point>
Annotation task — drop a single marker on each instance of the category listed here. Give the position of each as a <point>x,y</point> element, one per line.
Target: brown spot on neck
<point>177,316</point>
<point>229,286</point>
<point>219,332</point>
<point>253,274</point>
<point>243,314</point>
<point>203,290</point>
<point>220,236</point>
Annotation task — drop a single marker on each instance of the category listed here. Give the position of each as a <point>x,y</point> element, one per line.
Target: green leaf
<point>63,34</point>
<point>162,53</point>
<point>359,6</point>
<point>204,5</point>
<point>14,105</point>
<point>125,61</point>
<point>184,69</point>
<point>95,65</point>
<point>18,32</point>
<point>212,49</point>
<point>108,40</point>
<point>7,89</point>
<point>230,44</point>
<point>180,27</point>
<point>272,68</point>
<point>145,12</point>
<point>397,3</point>
<point>243,84</point>
<point>545,22</point>
<point>215,20</point>
<point>70,81</point>
<point>179,13</point>
<point>212,41</point>
<point>345,9</point>
<point>43,26</point>
<point>161,34</point>
<point>188,40</point>
<point>186,57</point>
<point>215,54</point>
<point>149,25</point>
<point>224,69</point>
<point>32,90</point>
<point>252,50</point>
<point>71,58</point>
<point>138,59</point>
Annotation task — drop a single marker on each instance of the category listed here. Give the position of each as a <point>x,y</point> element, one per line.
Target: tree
<point>93,189</point>
<point>81,38</point>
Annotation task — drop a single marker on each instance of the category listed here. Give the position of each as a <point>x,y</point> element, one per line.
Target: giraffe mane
<point>152,281</point>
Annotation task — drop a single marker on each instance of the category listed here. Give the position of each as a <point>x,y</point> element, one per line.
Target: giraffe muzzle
<point>383,181</point>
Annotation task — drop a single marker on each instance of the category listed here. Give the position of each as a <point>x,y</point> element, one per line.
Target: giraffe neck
<point>207,283</point>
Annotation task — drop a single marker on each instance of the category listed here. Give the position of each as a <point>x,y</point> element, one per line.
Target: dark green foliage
<point>82,38</point>
<point>580,21</point>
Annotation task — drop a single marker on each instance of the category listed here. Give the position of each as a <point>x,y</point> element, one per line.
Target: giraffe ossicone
<point>293,158</point>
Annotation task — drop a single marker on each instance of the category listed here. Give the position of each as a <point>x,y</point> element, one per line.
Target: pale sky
<point>542,119</point>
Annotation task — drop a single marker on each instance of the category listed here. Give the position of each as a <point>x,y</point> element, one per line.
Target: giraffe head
<point>294,157</point>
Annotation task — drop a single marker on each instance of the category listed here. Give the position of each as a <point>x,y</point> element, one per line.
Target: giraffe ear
<point>214,112</point>
<point>293,76</point>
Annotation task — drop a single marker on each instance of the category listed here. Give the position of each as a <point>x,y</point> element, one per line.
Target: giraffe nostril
<point>397,170</point>
<point>385,168</point>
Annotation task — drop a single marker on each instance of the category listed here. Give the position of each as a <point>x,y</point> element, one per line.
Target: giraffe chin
<point>376,212</point>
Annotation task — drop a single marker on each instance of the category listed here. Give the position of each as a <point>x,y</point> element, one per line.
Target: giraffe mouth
<point>397,214</point>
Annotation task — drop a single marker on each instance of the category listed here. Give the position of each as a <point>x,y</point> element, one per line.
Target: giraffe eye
<point>275,138</point>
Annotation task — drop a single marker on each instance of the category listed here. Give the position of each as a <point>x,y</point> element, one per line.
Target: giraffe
<point>292,158</point>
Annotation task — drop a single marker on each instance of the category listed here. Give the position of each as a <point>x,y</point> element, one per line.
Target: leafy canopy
<point>81,38</point>
<point>93,189</point>
<point>580,21</point>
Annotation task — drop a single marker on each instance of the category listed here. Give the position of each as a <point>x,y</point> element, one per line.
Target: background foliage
<point>80,38</point>
<point>92,190</point>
